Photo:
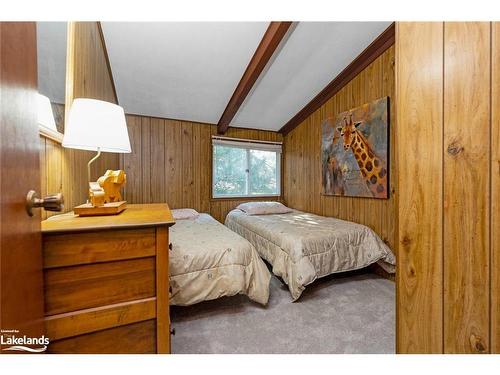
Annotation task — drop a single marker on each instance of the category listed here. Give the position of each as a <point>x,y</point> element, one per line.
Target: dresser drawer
<point>106,281</point>
<point>98,246</point>
<point>79,287</point>
<point>136,338</point>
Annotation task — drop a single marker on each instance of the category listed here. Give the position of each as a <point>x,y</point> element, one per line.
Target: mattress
<point>208,261</point>
<point>302,247</point>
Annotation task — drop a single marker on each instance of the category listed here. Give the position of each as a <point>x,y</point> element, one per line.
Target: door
<point>21,283</point>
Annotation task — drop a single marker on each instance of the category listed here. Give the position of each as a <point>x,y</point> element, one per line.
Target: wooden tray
<point>108,209</point>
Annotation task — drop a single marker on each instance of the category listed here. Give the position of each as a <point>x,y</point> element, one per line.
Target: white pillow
<point>185,213</point>
<point>263,208</point>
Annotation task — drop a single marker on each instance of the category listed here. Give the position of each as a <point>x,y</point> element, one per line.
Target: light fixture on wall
<point>96,125</point>
<point>45,114</point>
<point>46,123</point>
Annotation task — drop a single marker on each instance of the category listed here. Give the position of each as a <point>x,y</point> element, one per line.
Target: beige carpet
<point>351,313</point>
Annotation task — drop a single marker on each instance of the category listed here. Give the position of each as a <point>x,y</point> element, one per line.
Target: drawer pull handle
<point>172,331</point>
<point>170,245</point>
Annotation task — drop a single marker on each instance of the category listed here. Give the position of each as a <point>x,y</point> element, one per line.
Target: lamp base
<point>88,209</point>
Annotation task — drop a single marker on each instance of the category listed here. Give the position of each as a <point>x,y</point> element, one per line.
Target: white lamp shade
<point>45,115</point>
<point>96,125</point>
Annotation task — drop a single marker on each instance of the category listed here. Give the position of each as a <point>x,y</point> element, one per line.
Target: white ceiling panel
<point>314,54</point>
<point>180,70</point>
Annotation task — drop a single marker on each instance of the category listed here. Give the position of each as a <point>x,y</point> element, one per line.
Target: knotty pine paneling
<point>420,135</point>
<point>171,161</point>
<point>466,188</point>
<point>495,190</point>
<point>302,165</point>
<point>449,252</point>
<point>87,76</point>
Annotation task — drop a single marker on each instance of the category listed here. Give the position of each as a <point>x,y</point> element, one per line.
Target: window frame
<point>247,144</point>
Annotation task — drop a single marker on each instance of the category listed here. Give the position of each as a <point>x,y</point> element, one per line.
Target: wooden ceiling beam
<point>267,46</point>
<point>365,58</point>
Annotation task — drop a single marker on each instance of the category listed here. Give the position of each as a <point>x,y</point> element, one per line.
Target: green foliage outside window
<point>240,172</point>
<point>263,172</point>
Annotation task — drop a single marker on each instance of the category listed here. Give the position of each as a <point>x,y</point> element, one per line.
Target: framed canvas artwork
<point>355,151</point>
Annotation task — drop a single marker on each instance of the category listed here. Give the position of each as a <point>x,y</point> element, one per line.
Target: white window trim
<point>248,145</point>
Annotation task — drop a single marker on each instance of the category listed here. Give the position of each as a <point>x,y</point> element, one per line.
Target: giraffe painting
<point>354,151</point>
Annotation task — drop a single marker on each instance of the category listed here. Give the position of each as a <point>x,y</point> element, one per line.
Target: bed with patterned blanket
<point>302,247</point>
<point>209,261</point>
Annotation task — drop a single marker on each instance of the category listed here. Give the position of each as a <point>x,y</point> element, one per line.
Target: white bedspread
<point>209,261</point>
<point>302,247</point>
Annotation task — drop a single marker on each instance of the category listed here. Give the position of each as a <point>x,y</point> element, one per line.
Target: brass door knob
<point>54,202</point>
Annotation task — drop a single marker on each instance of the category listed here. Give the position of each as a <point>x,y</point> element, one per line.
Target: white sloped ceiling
<point>189,70</point>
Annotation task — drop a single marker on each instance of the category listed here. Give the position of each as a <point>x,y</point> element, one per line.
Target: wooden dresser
<point>106,281</point>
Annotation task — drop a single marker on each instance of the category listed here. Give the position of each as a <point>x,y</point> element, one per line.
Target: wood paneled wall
<point>466,174</point>
<point>171,161</point>
<point>87,76</point>
<point>495,188</point>
<point>447,101</point>
<point>419,50</point>
<point>302,167</point>
<point>87,66</point>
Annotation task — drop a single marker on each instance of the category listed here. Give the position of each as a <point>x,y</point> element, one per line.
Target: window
<point>245,168</point>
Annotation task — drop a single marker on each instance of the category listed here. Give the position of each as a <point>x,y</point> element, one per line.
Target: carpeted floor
<point>337,314</point>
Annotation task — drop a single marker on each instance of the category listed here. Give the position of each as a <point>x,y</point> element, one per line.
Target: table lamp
<point>96,125</point>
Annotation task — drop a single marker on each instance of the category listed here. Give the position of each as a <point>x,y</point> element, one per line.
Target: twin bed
<point>210,260</point>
